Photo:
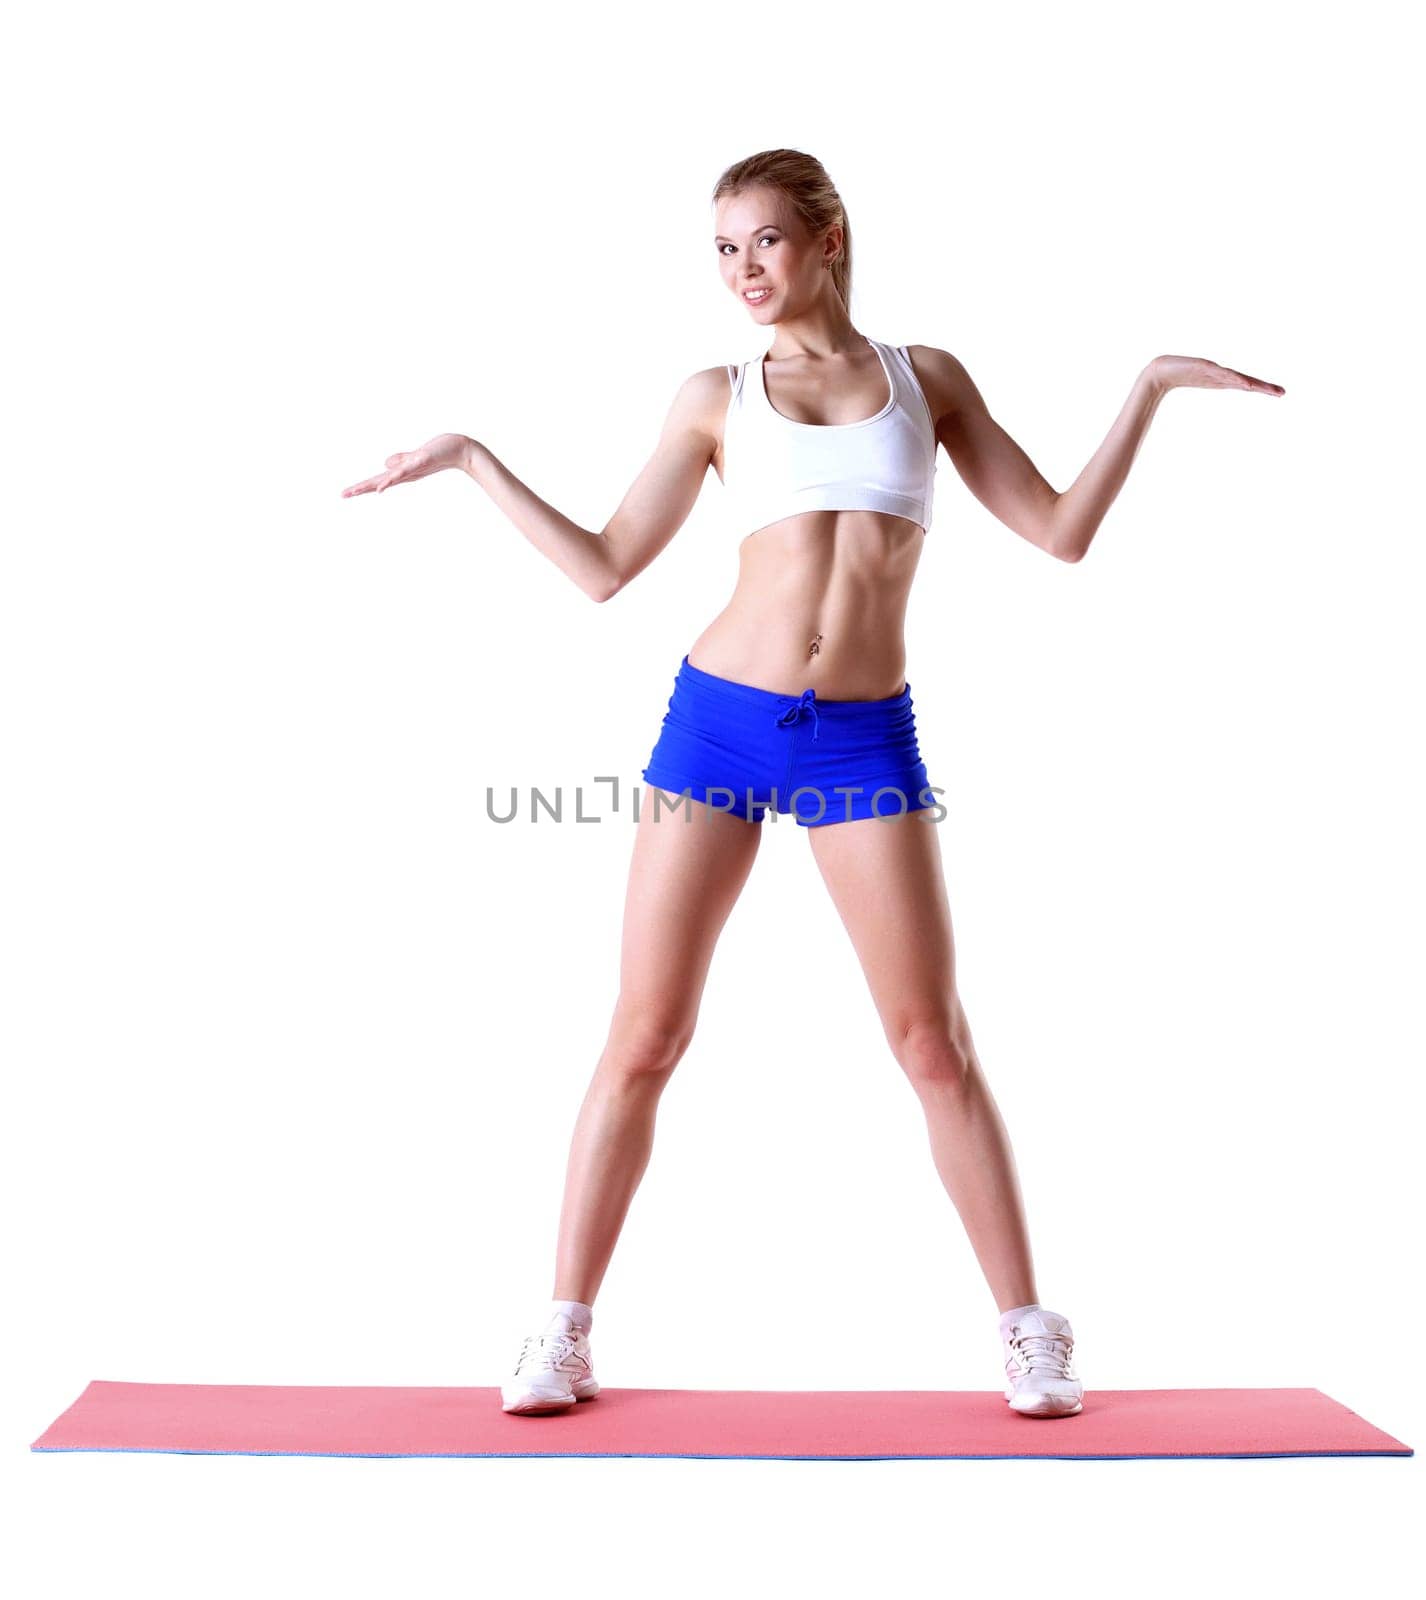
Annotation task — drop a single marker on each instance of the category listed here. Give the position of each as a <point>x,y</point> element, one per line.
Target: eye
<point>723,247</point>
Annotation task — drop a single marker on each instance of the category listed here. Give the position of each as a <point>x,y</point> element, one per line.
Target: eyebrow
<point>720,239</point>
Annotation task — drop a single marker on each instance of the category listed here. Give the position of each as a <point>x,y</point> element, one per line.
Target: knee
<point>936,1051</point>
<point>645,1043</point>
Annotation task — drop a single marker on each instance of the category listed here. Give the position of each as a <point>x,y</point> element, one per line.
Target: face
<point>763,246</point>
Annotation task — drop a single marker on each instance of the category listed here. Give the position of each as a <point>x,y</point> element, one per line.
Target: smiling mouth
<point>755,297</point>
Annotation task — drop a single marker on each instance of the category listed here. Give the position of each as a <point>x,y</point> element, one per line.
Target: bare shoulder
<point>701,407</point>
<point>706,393</point>
<point>947,385</point>
<point>698,406</point>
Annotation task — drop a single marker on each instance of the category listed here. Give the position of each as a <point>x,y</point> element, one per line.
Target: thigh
<point>688,867</point>
<point>886,880</point>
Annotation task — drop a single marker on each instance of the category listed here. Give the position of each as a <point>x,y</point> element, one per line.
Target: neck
<point>823,330</point>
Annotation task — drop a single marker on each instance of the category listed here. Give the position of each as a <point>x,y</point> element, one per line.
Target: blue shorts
<point>743,750</point>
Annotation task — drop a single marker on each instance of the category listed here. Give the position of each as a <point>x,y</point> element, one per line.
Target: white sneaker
<point>1039,1372</point>
<point>554,1370</point>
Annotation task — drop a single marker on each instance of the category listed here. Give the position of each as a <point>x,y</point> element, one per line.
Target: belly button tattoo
<point>815,646</point>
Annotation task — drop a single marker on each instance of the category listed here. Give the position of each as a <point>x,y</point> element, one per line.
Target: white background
<point>295,1035</point>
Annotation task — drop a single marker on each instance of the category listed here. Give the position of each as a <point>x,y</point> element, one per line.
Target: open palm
<point>1195,372</point>
<point>445,450</point>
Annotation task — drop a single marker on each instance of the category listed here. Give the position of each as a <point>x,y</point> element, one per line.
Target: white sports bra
<point>775,467</point>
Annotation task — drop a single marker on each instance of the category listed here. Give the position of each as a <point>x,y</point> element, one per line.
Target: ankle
<point>579,1312</point>
<point>1030,1305</point>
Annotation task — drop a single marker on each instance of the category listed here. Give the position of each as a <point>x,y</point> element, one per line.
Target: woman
<point>794,697</point>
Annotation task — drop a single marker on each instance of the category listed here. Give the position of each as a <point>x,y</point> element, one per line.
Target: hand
<point>1194,372</point>
<point>445,450</point>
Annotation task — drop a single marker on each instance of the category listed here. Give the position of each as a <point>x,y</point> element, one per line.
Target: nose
<point>806,702</point>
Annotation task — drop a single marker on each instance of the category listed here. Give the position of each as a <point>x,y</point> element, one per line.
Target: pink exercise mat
<point>796,1425</point>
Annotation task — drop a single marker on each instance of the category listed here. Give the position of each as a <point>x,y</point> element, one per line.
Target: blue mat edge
<point>681,1455</point>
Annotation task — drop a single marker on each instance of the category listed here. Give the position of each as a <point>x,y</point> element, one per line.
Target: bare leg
<point>685,876</point>
<point>887,882</point>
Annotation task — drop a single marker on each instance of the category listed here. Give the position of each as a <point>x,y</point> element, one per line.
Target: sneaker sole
<point>537,1405</point>
<point>1053,1409</point>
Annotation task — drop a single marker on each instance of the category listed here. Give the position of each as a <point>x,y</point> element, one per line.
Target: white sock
<point>1007,1317</point>
<point>581,1315</point>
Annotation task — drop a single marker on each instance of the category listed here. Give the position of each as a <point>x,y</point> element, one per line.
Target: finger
<point>1261,385</point>
<point>364,487</point>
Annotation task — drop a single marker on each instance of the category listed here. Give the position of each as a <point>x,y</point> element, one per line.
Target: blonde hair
<point>810,192</point>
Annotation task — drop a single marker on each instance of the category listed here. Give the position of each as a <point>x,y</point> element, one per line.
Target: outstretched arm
<point>1009,485</point>
<point>653,510</point>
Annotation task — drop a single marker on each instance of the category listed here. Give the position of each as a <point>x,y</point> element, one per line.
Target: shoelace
<point>1043,1352</point>
<point>543,1352</point>
<point>806,702</point>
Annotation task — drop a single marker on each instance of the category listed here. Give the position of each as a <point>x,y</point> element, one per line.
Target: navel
<point>815,646</point>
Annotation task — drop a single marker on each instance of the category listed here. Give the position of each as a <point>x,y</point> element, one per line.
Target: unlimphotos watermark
<point>884,802</point>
